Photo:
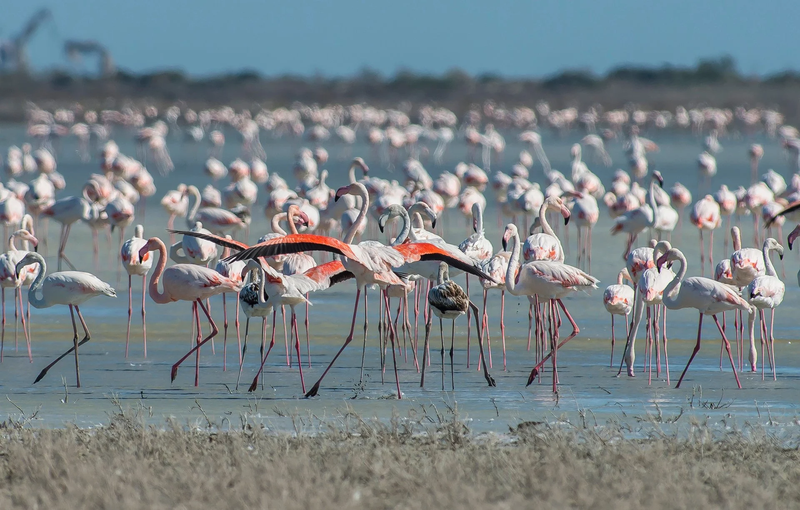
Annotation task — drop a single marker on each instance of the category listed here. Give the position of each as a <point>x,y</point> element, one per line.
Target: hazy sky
<point>339,37</point>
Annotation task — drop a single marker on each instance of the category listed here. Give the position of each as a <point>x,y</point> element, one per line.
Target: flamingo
<point>549,281</point>
<point>766,292</point>
<point>586,215</point>
<point>191,250</point>
<point>370,263</point>
<point>234,271</point>
<point>756,152</point>
<point>217,220</point>
<point>67,211</point>
<point>292,290</point>
<point>176,203</point>
<point>449,301</point>
<point>635,221</point>
<point>9,279</point>
<point>135,266</point>
<point>705,295</point>
<point>186,282</point>
<point>618,300</point>
<point>727,206</point>
<point>71,288</point>
<point>477,247</point>
<point>706,216</point>
<point>496,267</point>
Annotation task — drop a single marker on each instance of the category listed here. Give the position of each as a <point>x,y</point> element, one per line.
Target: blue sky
<point>339,37</point>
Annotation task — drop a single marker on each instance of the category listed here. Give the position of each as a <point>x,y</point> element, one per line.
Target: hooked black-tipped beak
<point>381,224</point>
<point>36,247</point>
<point>505,244</point>
<point>566,220</point>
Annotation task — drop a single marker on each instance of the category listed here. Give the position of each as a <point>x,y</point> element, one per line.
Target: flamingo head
<point>792,236</point>
<point>772,244</point>
<point>663,259</point>
<point>393,211</point>
<point>359,162</point>
<point>510,232</point>
<point>657,176</point>
<point>27,236</point>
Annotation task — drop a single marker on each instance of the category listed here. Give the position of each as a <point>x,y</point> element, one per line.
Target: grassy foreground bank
<point>367,465</point>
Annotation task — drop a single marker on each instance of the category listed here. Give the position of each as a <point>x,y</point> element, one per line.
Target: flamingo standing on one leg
<point>186,282</point>
<point>71,288</point>
<point>705,295</point>
<point>136,266</point>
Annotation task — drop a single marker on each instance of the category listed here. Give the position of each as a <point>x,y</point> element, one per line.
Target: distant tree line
<point>714,81</point>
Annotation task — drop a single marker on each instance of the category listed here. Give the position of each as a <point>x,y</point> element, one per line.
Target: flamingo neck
<point>352,173</point>
<point>511,280</point>
<point>770,269</point>
<point>673,287</point>
<point>362,213</point>
<point>737,239</point>
<point>652,202</point>
<point>405,231</point>
<point>35,289</point>
<point>158,297</point>
<point>543,219</point>
<point>276,223</point>
<point>290,220</point>
<point>196,206</point>
<point>479,221</point>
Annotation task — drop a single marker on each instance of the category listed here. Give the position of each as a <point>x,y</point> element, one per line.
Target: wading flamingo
<point>136,266</point>
<point>71,288</point>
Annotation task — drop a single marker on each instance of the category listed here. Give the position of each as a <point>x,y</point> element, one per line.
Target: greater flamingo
<point>618,300</point>
<point>135,266</point>
<point>186,282</point>
<point>766,292</point>
<point>71,288</point>
<point>705,295</point>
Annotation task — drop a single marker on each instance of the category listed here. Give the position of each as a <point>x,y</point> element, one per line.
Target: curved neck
<point>770,269</point>
<point>675,283</point>
<point>11,245</point>
<point>290,220</point>
<point>511,271</point>
<point>737,239</point>
<point>543,219</point>
<point>417,221</point>
<point>479,220</point>
<point>33,292</point>
<point>405,231</point>
<point>652,201</point>
<point>351,234</point>
<point>196,194</point>
<point>352,173</point>
<point>276,223</point>
<point>158,297</point>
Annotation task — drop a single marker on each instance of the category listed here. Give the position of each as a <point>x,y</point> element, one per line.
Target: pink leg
<point>503,324</point>
<point>130,313</point>
<point>224,332</point>
<point>297,348</point>
<point>694,352</point>
<point>575,331</point>
<point>214,331</point>
<point>315,389</point>
<point>392,336</point>
<point>308,339</point>
<point>728,348</point>
<point>24,328</point>
<point>468,327</point>
<point>144,314</point>
<point>613,340</point>
<point>3,331</point>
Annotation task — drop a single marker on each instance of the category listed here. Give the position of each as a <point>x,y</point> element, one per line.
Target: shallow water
<point>587,382</point>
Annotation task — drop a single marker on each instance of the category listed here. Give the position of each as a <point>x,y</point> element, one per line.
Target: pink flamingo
<point>705,295</point>
<point>135,266</point>
<point>618,300</point>
<point>71,288</point>
<point>766,293</point>
<point>706,216</point>
<point>186,282</point>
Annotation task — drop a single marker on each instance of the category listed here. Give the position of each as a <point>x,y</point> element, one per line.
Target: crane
<point>75,51</point>
<point>12,51</point>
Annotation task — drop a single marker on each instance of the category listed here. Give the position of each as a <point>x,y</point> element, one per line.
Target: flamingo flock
<point>415,266</point>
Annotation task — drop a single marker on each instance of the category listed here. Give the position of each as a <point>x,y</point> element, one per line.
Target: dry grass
<point>364,464</point>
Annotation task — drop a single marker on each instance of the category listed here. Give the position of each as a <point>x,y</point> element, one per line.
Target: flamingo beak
<point>340,192</point>
<point>566,214</point>
<point>143,252</point>
<point>660,262</point>
<point>382,222</point>
<point>433,222</point>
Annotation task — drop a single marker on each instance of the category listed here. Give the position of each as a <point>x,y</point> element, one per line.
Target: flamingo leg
<point>62,249</point>
<point>613,340</point>
<point>425,351</point>
<point>224,332</point>
<point>772,344</point>
<point>452,341</point>
<point>75,346</point>
<point>393,336</point>
<point>315,389</point>
<point>364,346</point>
<point>575,331</point>
<point>297,348</point>
<point>728,348</point>
<point>308,336</point>
<point>468,325</point>
<point>694,352</point>
<point>244,349</point>
<point>24,327</point>
<point>130,313</point>
<point>144,314</point>
<point>211,335</point>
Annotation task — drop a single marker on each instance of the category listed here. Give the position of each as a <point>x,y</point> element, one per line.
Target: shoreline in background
<point>712,82</point>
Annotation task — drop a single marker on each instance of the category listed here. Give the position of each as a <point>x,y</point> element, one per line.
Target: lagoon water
<point>589,388</point>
